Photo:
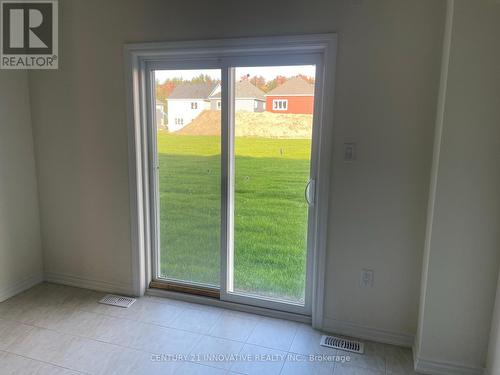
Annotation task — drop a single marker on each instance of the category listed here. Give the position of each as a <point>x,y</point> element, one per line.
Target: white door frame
<point>136,59</point>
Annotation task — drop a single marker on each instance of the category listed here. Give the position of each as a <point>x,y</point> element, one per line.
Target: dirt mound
<point>253,124</point>
<point>207,123</point>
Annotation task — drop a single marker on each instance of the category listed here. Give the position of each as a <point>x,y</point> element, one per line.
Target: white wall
<point>387,75</point>
<point>462,247</point>
<point>20,245</point>
<point>386,94</point>
<point>493,363</point>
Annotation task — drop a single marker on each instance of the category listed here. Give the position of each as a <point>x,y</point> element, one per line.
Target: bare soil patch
<point>253,124</point>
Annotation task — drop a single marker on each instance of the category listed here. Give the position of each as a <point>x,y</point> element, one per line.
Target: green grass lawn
<point>270,212</point>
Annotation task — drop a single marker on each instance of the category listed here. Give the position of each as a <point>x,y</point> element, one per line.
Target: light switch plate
<point>367,278</point>
<point>349,151</point>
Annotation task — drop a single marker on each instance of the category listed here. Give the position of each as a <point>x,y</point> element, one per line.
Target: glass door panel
<point>273,119</point>
<point>188,180</point>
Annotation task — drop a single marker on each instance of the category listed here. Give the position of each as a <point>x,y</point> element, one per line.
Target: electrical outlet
<point>367,278</point>
<point>349,152</point>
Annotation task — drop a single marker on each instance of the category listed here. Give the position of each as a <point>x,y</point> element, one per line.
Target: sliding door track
<point>185,288</point>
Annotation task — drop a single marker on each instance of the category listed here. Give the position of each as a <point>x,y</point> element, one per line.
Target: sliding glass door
<point>233,179</point>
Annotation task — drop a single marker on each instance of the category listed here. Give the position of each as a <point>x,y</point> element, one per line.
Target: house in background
<point>186,102</point>
<point>248,98</point>
<point>294,96</point>
<point>161,115</point>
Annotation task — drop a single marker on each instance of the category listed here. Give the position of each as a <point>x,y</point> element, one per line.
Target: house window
<point>179,121</point>
<point>194,105</point>
<point>218,105</point>
<point>280,104</point>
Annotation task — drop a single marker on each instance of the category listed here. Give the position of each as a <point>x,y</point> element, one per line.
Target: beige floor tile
<point>256,360</point>
<point>163,340</point>
<point>41,344</point>
<point>234,326</point>
<point>69,332</point>
<point>199,320</point>
<point>119,331</point>
<point>121,361</point>
<point>367,361</point>
<point>157,313</point>
<point>399,361</point>
<point>11,331</point>
<point>307,341</point>
<point>11,364</point>
<point>349,369</point>
<point>189,368</point>
<point>144,364</point>
<point>298,364</point>
<point>80,323</point>
<point>86,355</point>
<point>274,333</point>
<point>216,352</point>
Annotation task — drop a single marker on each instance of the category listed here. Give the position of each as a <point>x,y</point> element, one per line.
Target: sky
<point>268,72</point>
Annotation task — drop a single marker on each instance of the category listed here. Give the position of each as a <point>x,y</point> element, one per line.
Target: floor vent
<point>342,344</point>
<point>119,301</point>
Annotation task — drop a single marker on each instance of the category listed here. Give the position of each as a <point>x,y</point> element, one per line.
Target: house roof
<point>293,86</point>
<point>188,90</point>
<point>244,89</point>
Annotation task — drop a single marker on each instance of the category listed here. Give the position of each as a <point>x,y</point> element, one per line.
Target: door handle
<point>307,192</point>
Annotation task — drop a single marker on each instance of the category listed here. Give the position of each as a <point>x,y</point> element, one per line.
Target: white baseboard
<point>433,367</point>
<point>367,333</point>
<point>20,286</point>
<point>81,282</point>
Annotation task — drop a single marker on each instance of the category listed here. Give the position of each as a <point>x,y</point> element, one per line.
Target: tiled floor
<point>58,330</point>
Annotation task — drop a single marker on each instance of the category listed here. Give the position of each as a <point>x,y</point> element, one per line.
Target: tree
<point>279,80</point>
<point>202,78</point>
<point>163,90</point>
<point>306,78</point>
<point>258,81</point>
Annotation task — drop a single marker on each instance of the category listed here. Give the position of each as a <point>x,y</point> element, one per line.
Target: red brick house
<point>294,96</point>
